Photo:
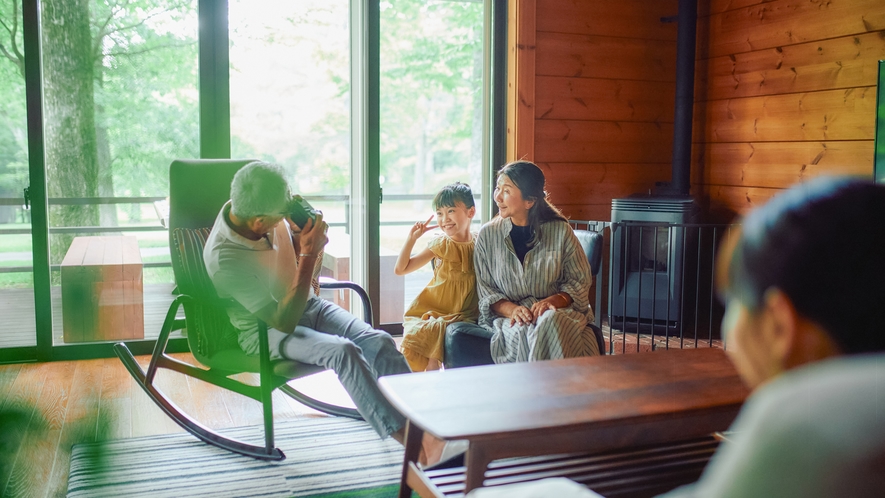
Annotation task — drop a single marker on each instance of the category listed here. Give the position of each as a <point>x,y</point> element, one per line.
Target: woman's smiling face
<point>510,202</point>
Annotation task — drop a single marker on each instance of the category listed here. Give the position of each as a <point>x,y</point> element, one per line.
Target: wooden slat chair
<point>199,189</point>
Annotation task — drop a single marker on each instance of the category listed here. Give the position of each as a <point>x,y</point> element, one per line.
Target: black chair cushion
<point>591,242</point>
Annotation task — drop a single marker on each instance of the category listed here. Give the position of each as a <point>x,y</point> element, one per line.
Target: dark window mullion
<point>37,178</point>
<point>214,80</point>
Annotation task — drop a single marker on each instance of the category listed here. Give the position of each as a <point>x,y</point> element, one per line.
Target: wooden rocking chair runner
<point>211,337</point>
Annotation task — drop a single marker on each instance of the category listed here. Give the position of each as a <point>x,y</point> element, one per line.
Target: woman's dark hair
<point>822,243</point>
<point>453,193</point>
<point>529,179</point>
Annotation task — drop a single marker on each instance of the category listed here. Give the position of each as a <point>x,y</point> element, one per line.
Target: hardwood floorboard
<point>53,404</point>
<point>241,409</point>
<point>209,407</point>
<point>8,373</point>
<point>22,397</point>
<point>81,423</point>
<point>89,400</point>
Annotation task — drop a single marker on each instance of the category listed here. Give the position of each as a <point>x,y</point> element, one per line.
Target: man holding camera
<point>268,268</point>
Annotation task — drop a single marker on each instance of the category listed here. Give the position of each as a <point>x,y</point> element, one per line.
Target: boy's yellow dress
<point>449,297</point>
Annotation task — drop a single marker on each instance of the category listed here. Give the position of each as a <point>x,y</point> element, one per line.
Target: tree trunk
<point>69,121</point>
<point>107,212</point>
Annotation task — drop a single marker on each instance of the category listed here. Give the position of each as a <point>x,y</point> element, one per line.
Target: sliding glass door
<point>18,330</point>
<point>432,124</point>
<point>120,102</point>
<point>97,97</point>
<point>290,104</point>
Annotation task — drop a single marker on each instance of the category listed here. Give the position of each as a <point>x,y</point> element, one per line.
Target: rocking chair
<point>199,188</point>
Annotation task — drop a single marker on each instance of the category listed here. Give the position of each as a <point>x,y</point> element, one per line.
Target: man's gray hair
<point>257,189</point>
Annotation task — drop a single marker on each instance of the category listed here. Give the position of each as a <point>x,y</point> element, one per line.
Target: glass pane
<point>121,102</point>
<point>290,104</point>
<point>18,327</point>
<point>431,124</point>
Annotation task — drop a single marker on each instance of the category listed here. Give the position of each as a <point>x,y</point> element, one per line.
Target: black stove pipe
<point>685,59</point>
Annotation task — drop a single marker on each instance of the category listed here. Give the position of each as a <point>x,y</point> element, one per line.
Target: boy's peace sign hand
<point>419,229</point>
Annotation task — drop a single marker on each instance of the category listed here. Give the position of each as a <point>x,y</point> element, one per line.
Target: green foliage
<point>147,96</point>
<point>13,118</point>
<point>429,52</point>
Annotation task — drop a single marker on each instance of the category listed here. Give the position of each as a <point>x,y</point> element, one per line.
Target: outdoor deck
<point>17,327</point>
<point>17,322</point>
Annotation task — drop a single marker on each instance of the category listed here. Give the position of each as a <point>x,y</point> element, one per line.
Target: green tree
<point>13,121</point>
<point>71,152</point>
<point>431,68</point>
<point>120,101</point>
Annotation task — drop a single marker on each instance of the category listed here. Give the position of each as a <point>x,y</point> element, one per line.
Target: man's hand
<point>419,229</point>
<point>313,236</point>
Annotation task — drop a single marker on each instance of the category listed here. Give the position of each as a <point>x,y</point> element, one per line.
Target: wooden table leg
<point>476,460</point>
<point>414,435</point>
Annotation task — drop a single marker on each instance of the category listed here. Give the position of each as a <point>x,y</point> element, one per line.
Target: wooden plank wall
<point>785,91</point>
<point>592,96</point>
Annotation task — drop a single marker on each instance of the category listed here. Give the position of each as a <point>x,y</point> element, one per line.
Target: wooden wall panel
<point>602,98</point>
<point>590,56</point>
<point>574,180</point>
<point>583,191</point>
<point>559,97</point>
<point>787,22</point>
<point>785,91</point>
<point>779,164</point>
<point>844,62</point>
<point>602,141</point>
<point>705,8</point>
<point>621,18</point>
<point>826,115</point>
<point>725,201</point>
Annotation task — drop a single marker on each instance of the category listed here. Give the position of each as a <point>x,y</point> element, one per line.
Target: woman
<point>532,276</point>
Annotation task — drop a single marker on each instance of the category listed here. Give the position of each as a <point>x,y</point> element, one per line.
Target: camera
<point>299,211</point>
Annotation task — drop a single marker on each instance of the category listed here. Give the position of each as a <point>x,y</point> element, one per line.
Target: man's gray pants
<point>330,337</point>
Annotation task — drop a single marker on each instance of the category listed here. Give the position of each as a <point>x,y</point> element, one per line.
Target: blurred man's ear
<point>795,340</point>
<point>779,326</point>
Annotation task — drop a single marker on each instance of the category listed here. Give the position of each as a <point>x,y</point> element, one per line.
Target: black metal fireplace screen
<point>656,285</point>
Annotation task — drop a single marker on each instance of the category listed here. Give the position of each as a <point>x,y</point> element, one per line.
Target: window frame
<point>214,129</point>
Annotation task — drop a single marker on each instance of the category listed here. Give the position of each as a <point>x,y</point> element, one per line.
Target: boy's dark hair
<point>453,193</point>
<point>822,243</point>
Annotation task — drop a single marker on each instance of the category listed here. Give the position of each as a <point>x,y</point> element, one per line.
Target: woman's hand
<point>521,315</point>
<point>559,300</point>
<point>542,306</point>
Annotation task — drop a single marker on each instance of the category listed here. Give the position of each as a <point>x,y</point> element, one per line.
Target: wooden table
<point>597,403</point>
<point>102,289</point>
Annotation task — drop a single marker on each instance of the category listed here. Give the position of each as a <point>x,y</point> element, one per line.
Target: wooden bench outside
<point>102,289</point>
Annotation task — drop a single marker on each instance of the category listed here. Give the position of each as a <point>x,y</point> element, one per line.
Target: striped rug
<point>325,457</point>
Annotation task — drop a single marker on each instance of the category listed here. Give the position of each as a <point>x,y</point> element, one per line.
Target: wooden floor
<point>62,399</point>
